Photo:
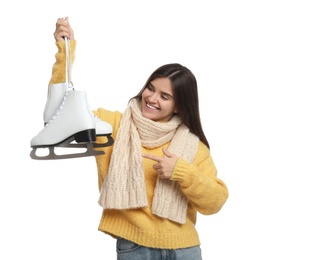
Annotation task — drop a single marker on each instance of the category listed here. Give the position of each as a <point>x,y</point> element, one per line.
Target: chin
<point>148,116</point>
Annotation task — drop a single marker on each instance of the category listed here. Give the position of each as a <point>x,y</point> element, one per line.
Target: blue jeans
<point>127,250</point>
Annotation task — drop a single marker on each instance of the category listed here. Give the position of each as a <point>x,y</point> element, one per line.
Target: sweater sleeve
<point>59,67</point>
<point>199,182</point>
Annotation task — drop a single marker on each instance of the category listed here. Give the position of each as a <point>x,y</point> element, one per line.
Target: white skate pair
<point>69,123</point>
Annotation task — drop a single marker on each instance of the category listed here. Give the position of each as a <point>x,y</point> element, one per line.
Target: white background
<point>254,62</point>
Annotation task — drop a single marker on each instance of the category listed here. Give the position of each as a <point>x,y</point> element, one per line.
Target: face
<point>157,101</point>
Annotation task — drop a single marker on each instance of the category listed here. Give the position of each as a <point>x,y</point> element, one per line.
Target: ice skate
<point>71,122</point>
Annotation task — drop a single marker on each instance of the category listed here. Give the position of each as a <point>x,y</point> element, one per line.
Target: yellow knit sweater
<point>205,192</point>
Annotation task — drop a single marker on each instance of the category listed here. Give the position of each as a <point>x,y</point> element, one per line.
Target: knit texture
<point>58,70</point>
<point>124,185</point>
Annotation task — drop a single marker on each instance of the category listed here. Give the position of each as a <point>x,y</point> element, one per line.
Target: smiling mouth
<point>151,107</point>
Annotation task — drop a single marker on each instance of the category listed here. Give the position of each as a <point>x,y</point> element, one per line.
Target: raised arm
<point>63,29</point>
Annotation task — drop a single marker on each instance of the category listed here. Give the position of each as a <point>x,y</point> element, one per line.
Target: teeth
<point>150,107</point>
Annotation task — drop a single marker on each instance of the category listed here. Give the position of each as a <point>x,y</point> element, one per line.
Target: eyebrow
<point>164,93</point>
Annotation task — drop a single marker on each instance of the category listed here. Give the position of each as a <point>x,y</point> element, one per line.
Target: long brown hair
<point>186,98</point>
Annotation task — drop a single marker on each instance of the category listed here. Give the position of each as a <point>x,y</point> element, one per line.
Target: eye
<point>165,97</point>
<point>150,87</point>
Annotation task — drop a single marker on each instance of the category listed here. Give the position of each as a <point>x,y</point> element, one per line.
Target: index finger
<point>152,157</point>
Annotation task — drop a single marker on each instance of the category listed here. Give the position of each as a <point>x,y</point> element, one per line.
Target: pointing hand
<point>165,164</point>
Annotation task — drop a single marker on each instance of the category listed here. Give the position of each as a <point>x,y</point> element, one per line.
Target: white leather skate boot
<point>71,122</point>
<point>55,97</point>
<point>56,93</point>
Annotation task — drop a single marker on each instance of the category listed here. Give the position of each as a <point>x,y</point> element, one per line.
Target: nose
<point>153,97</point>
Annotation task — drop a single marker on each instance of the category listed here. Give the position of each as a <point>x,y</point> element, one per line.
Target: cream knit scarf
<point>124,185</point>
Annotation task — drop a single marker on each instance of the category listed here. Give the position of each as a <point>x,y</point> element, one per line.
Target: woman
<point>159,173</point>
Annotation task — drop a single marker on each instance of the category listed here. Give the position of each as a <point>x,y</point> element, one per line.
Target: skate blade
<point>52,156</point>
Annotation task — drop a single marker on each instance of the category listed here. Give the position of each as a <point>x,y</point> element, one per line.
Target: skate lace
<point>68,80</point>
<point>58,110</point>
